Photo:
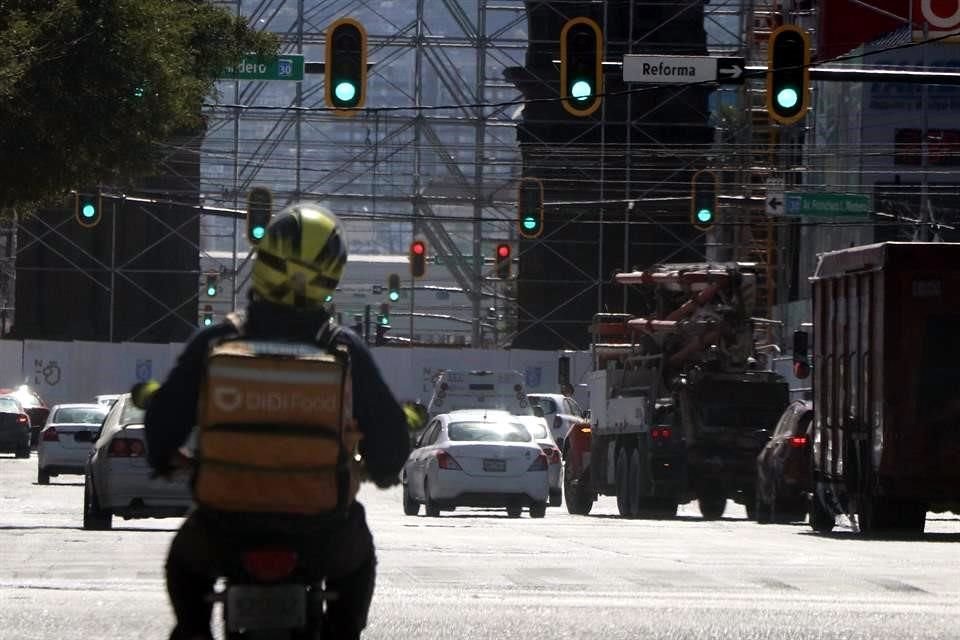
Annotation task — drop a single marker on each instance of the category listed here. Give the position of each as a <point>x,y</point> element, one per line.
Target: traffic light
<point>788,74</point>
<point>259,210</point>
<point>418,258</point>
<point>502,259</point>
<point>88,209</point>
<point>207,317</point>
<point>530,208</point>
<point>212,285</point>
<point>345,68</point>
<point>393,287</point>
<point>703,199</point>
<point>581,66</point>
<point>384,317</point>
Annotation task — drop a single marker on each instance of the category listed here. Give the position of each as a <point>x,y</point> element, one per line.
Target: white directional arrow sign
<point>681,69</point>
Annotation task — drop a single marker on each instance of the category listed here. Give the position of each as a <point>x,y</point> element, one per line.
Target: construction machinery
<point>680,400</point>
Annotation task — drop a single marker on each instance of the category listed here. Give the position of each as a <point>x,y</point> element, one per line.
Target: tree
<point>89,87</point>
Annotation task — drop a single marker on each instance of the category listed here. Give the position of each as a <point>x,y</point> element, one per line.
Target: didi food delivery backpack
<point>275,427</point>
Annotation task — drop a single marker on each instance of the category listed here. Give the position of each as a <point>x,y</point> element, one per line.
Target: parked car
<point>117,477</point>
<point>475,459</point>
<point>33,405</point>
<point>560,412</point>
<point>784,479</point>
<point>66,439</point>
<point>14,428</point>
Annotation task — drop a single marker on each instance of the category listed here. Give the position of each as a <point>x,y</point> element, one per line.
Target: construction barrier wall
<point>77,371</point>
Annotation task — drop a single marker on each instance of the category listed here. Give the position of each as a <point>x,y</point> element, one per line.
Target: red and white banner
<point>935,19</point>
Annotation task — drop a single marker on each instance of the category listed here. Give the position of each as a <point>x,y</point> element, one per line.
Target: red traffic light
<point>418,258</point>
<point>502,258</point>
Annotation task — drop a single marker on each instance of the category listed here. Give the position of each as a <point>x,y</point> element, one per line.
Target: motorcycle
<point>272,592</point>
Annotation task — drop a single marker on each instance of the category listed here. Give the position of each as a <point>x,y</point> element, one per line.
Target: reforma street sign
<point>827,205</point>
<point>681,69</point>
<point>251,67</point>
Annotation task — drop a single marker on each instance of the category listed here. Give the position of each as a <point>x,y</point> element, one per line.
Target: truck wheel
<point>579,499</point>
<point>621,474</point>
<point>556,498</point>
<point>635,500</point>
<point>712,505</point>
<point>42,476</point>
<point>538,509</point>
<point>514,510</point>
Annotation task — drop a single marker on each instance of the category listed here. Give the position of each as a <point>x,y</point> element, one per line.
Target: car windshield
<point>9,405</point>
<point>488,432</point>
<point>79,415</point>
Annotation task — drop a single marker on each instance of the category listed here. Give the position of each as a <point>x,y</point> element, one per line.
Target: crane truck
<point>680,406</point>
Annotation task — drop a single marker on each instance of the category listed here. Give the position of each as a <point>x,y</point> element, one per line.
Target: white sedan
<point>118,478</point>
<point>475,458</point>
<point>65,440</point>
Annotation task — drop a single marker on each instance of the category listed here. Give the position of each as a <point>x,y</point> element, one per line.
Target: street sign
<point>827,205</point>
<point>681,69</point>
<point>775,196</point>
<point>251,67</point>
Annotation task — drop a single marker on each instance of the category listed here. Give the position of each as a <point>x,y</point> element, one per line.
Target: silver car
<point>66,439</point>
<point>118,480</point>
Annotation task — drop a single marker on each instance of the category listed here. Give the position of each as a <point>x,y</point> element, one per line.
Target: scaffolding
<point>402,167</point>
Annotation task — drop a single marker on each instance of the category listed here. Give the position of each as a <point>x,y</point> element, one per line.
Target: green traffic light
<point>529,223</point>
<point>581,90</point>
<point>394,296</point>
<point>328,299</point>
<point>258,232</point>
<point>345,91</point>
<point>384,321</point>
<point>207,321</point>
<point>211,291</point>
<point>88,210</point>
<point>704,216</point>
<point>788,97</point>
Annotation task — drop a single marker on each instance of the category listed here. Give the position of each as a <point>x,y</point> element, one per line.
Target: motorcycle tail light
<point>269,565</point>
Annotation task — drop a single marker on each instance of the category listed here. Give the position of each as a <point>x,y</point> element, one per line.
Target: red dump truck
<point>886,381</point>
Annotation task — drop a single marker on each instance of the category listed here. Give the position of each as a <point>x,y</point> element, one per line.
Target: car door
<point>416,465</point>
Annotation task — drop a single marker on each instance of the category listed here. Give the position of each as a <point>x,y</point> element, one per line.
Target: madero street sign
<point>251,67</point>
<point>681,69</point>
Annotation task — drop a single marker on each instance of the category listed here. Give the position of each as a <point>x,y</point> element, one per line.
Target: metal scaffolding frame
<point>395,169</point>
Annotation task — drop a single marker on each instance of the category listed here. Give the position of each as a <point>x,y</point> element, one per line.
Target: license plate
<point>254,607</point>
<point>494,465</point>
<point>83,436</point>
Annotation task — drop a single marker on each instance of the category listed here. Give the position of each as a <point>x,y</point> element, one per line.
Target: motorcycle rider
<point>298,263</point>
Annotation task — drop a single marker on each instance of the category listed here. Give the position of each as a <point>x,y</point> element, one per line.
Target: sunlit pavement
<point>479,574</point>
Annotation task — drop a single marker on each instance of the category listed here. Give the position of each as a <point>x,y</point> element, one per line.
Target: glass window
<point>488,432</point>
<point>431,434</point>
<point>536,430</point>
<point>572,407</point>
<point>79,415</point>
<point>547,404</point>
<point>9,405</point>
<point>130,414</point>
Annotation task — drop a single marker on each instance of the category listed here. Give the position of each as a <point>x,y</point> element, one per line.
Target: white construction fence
<point>78,371</point>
